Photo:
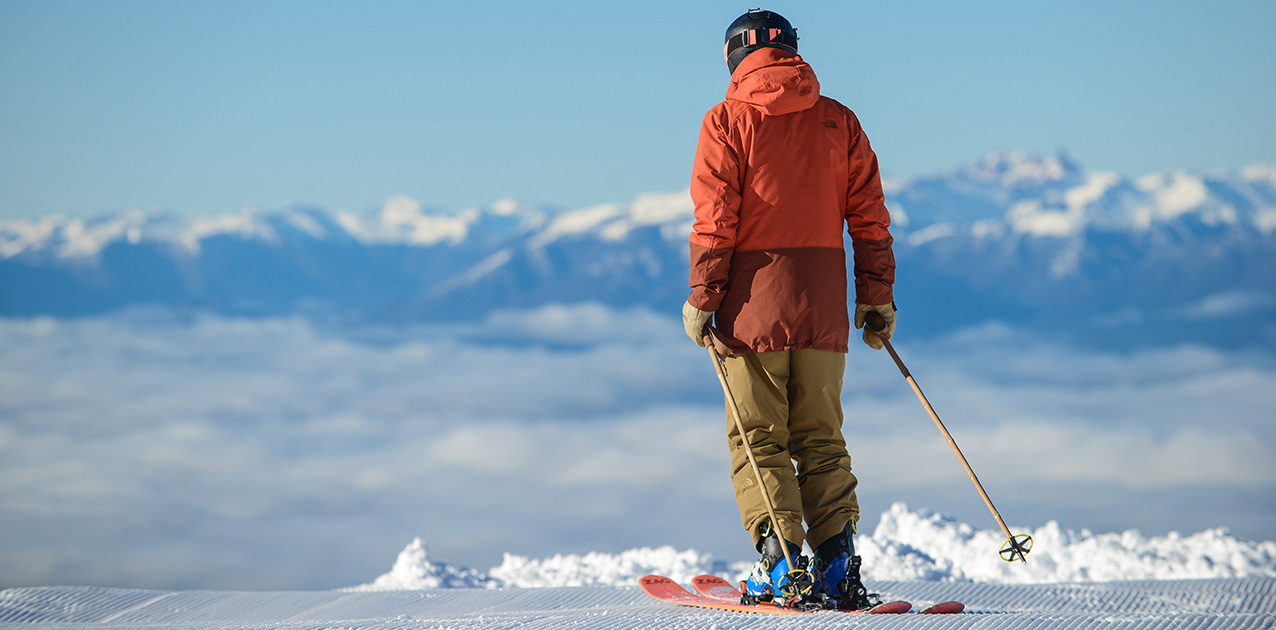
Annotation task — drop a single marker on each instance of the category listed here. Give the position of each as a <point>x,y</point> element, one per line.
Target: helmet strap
<point>761,37</point>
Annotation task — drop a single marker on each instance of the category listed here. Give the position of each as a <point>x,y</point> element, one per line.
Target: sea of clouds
<point>153,449</point>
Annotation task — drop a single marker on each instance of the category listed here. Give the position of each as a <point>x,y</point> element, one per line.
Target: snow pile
<point>413,570</point>
<point>907,545</point>
<point>922,545</point>
<point>596,568</point>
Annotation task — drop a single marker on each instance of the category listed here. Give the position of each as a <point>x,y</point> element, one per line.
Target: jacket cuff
<point>704,299</point>
<point>874,294</point>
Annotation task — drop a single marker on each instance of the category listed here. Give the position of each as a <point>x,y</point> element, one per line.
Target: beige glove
<point>694,320</point>
<point>887,311</point>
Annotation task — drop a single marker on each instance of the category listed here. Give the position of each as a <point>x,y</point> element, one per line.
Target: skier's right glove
<point>887,311</point>
<point>694,320</point>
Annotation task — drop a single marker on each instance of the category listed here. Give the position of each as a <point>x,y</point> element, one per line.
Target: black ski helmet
<point>755,30</point>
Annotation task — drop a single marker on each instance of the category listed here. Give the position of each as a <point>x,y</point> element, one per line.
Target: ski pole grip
<point>874,321</point>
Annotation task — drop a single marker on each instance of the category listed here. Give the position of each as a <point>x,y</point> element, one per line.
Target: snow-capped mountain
<point>1028,240</point>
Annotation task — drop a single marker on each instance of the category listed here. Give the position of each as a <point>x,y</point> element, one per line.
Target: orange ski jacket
<point>778,170</point>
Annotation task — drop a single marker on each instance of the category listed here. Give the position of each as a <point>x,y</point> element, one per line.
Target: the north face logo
<point>830,124</point>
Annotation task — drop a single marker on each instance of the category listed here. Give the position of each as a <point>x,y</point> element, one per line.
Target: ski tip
<point>890,608</point>
<point>944,608</point>
<point>709,579</point>
<point>715,587</point>
<point>658,585</point>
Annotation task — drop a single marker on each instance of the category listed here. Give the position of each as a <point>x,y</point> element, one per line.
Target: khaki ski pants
<point>791,407</point>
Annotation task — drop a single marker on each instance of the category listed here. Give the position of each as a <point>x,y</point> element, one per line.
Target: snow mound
<point>920,545</point>
<point>413,570</point>
<point>906,546</point>
<point>597,569</point>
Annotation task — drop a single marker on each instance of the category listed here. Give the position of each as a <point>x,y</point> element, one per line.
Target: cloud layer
<point>153,450</point>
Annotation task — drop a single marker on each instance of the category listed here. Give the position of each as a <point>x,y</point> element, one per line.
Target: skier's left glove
<point>887,311</point>
<point>694,320</point>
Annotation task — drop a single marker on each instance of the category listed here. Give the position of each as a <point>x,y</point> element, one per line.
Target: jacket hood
<point>775,81</point>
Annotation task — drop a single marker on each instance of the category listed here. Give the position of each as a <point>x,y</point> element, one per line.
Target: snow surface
<point>1190,604</point>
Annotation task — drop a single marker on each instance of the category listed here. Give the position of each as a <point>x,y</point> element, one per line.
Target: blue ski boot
<point>837,573</point>
<point>772,579</point>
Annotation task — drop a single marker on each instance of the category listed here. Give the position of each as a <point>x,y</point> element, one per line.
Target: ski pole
<point>719,367</point>
<point>1016,547</point>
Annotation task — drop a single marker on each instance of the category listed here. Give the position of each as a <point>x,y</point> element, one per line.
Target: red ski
<point>714,587</point>
<point>666,590</point>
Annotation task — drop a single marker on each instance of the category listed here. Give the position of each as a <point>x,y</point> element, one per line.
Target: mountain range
<point>1025,240</point>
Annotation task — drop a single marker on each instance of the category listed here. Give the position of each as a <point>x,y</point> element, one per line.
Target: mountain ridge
<point>1020,238</point>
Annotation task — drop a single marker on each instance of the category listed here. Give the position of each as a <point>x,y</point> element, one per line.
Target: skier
<point>778,170</point>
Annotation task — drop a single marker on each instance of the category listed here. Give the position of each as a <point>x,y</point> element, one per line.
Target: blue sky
<point>205,107</point>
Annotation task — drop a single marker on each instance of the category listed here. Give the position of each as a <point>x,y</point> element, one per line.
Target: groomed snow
<point>1191,604</point>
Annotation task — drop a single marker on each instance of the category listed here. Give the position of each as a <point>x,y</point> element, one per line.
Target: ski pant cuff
<point>831,527</point>
<point>790,529</point>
